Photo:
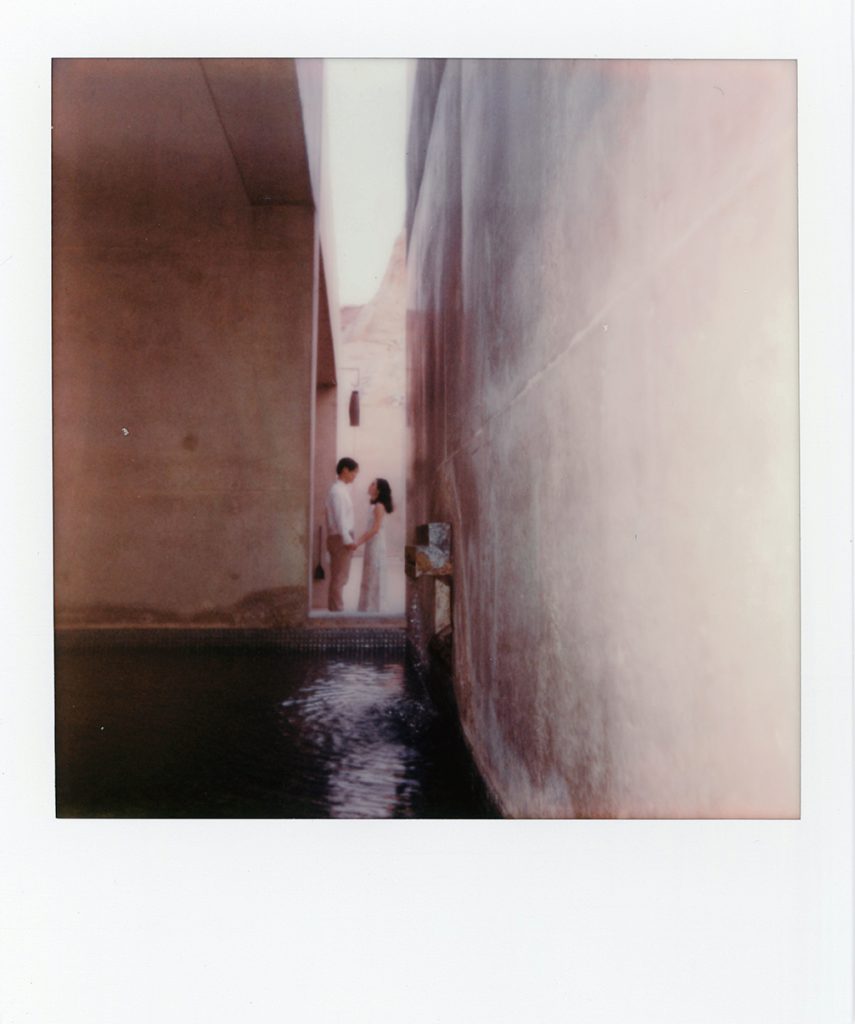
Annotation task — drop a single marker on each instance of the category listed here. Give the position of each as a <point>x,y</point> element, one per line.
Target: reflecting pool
<point>248,733</point>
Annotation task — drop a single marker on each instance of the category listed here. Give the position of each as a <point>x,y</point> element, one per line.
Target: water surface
<point>232,732</point>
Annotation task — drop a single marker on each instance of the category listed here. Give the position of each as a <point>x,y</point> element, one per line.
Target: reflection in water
<point>348,720</point>
<point>253,733</point>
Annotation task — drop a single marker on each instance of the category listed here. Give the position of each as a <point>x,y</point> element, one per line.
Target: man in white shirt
<point>340,533</point>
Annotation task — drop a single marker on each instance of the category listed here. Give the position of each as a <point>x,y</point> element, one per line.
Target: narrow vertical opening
<point>360,381</point>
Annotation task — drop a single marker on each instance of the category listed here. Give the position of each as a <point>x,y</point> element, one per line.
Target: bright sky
<point>366,102</point>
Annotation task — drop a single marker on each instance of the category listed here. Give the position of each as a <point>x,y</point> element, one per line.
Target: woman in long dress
<point>372,592</point>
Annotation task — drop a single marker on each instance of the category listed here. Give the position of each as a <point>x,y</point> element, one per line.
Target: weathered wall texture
<point>603,369</point>
<point>182,347</point>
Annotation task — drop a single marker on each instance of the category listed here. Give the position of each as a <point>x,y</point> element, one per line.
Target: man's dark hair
<point>346,463</point>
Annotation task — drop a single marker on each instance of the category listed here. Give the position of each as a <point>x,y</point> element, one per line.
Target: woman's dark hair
<point>346,463</point>
<point>384,494</point>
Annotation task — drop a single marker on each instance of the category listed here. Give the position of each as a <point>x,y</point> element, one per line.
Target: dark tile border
<point>385,639</point>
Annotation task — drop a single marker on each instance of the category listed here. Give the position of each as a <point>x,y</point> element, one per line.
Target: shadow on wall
<point>183,245</point>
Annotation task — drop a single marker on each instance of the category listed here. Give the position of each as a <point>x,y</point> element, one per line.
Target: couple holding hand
<point>341,542</point>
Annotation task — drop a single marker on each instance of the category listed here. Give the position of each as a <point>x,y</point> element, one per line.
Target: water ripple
<point>250,733</point>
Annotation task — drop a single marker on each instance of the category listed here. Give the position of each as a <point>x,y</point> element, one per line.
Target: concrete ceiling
<point>258,104</point>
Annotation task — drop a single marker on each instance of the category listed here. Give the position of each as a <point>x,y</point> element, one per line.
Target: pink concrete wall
<point>182,360</point>
<point>604,385</point>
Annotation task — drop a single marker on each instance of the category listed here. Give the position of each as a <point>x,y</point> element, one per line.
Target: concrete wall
<point>604,389</point>
<point>182,358</point>
<point>325,443</point>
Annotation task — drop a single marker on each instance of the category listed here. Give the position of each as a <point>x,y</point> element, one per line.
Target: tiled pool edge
<point>350,639</point>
